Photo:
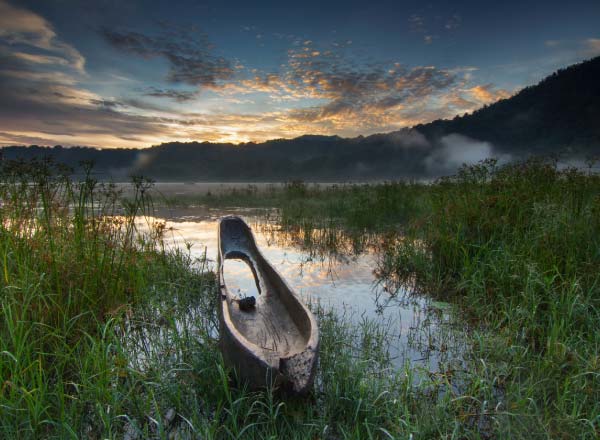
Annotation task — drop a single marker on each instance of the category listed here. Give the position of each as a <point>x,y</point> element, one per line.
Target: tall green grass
<point>353,207</point>
<point>71,264</point>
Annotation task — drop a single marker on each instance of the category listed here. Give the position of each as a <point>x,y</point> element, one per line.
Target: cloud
<point>487,94</point>
<point>71,120</point>
<point>188,52</point>
<point>453,22</point>
<point>106,103</point>
<point>408,138</point>
<point>416,23</point>
<point>272,83</point>
<point>455,150</point>
<point>353,97</point>
<point>591,47</point>
<point>467,98</point>
<point>177,95</point>
<point>15,139</point>
<point>39,91</point>
<point>356,90</point>
<point>571,51</point>
<point>431,28</point>
<point>31,31</point>
<point>552,43</point>
<point>36,68</point>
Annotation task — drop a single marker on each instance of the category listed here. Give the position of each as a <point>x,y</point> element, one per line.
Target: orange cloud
<point>485,94</point>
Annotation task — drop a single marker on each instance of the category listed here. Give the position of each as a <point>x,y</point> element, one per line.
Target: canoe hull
<point>277,344</point>
<point>249,368</point>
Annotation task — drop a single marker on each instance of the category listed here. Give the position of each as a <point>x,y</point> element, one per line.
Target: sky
<point>120,73</point>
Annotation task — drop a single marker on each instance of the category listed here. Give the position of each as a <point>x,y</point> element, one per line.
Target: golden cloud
<point>485,94</point>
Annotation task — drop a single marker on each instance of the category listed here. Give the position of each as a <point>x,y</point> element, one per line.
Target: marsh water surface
<point>340,275</point>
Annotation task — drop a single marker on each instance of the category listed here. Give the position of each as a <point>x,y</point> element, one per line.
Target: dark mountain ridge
<point>561,114</point>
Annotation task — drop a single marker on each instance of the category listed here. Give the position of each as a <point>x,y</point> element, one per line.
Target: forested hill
<point>561,114</point>
<point>562,111</point>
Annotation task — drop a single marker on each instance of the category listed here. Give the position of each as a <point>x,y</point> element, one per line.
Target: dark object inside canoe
<point>247,303</point>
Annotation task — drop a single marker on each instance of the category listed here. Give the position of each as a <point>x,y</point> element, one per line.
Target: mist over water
<point>456,150</point>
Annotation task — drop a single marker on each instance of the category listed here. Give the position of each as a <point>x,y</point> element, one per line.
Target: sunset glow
<point>76,74</point>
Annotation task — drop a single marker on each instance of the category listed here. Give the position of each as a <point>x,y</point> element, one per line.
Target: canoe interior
<point>278,325</point>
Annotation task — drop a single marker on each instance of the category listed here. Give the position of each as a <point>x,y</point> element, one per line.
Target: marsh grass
<point>357,207</point>
<point>70,267</point>
<point>105,333</point>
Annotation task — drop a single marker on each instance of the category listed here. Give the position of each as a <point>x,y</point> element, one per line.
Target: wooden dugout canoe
<point>275,342</point>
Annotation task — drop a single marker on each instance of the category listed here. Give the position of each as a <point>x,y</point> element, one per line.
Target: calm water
<point>340,276</point>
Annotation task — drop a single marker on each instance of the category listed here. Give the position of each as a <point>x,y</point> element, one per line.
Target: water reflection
<point>241,282</point>
<point>334,269</point>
